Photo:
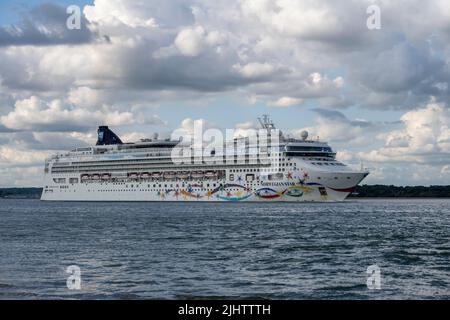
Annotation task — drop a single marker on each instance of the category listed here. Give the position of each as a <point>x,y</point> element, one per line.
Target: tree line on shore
<point>391,191</point>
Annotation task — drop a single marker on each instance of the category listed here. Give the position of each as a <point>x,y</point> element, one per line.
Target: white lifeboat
<point>211,174</point>
<point>183,174</point>
<point>106,176</point>
<point>145,175</point>
<point>197,174</point>
<point>169,175</point>
<point>133,175</point>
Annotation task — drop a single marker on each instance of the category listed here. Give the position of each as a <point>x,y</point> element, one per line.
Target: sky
<point>379,96</point>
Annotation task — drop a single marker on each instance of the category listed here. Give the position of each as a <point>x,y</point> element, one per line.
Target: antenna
<point>266,122</point>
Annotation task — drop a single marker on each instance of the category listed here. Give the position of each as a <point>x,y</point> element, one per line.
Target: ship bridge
<point>309,149</point>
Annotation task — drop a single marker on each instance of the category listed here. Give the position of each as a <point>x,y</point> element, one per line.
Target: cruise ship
<point>291,170</point>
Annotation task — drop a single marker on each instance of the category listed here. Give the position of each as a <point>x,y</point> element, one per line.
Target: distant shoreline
<point>391,191</point>
<point>361,192</point>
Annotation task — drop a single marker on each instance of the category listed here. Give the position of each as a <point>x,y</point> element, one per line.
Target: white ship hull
<point>288,190</point>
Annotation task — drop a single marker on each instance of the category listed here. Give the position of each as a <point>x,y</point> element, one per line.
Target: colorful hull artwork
<point>236,192</point>
<point>268,193</point>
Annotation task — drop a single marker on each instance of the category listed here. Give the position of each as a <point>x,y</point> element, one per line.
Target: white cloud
<point>294,18</point>
<point>190,41</point>
<point>255,69</point>
<point>19,176</point>
<point>133,136</point>
<point>116,13</point>
<point>423,138</point>
<point>36,114</point>
<point>286,102</point>
<point>84,97</point>
<point>193,40</point>
<point>16,157</point>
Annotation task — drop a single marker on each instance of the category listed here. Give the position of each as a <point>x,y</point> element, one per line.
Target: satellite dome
<point>304,134</point>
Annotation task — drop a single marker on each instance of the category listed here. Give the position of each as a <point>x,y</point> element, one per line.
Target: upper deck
<point>110,150</point>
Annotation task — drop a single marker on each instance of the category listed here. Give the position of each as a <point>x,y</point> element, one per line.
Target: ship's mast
<point>266,122</point>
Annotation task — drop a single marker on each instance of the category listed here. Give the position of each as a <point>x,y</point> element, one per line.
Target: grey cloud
<point>330,114</point>
<point>5,129</point>
<point>45,24</point>
<point>204,73</point>
<point>339,116</point>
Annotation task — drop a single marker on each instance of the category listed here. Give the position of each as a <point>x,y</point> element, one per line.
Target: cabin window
<point>231,177</point>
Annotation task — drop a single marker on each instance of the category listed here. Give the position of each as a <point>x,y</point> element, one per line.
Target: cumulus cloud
<point>414,150</point>
<point>301,49</point>
<point>84,97</point>
<point>255,69</point>
<point>20,157</point>
<point>191,41</point>
<point>19,176</point>
<point>134,14</point>
<point>424,138</point>
<point>35,114</point>
<point>39,115</point>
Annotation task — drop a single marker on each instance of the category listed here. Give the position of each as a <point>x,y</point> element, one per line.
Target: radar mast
<point>266,122</point>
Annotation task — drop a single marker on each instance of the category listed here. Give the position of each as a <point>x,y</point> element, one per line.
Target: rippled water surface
<point>225,250</point>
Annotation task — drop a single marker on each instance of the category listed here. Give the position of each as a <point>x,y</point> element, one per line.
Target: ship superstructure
<point>151,170</point>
